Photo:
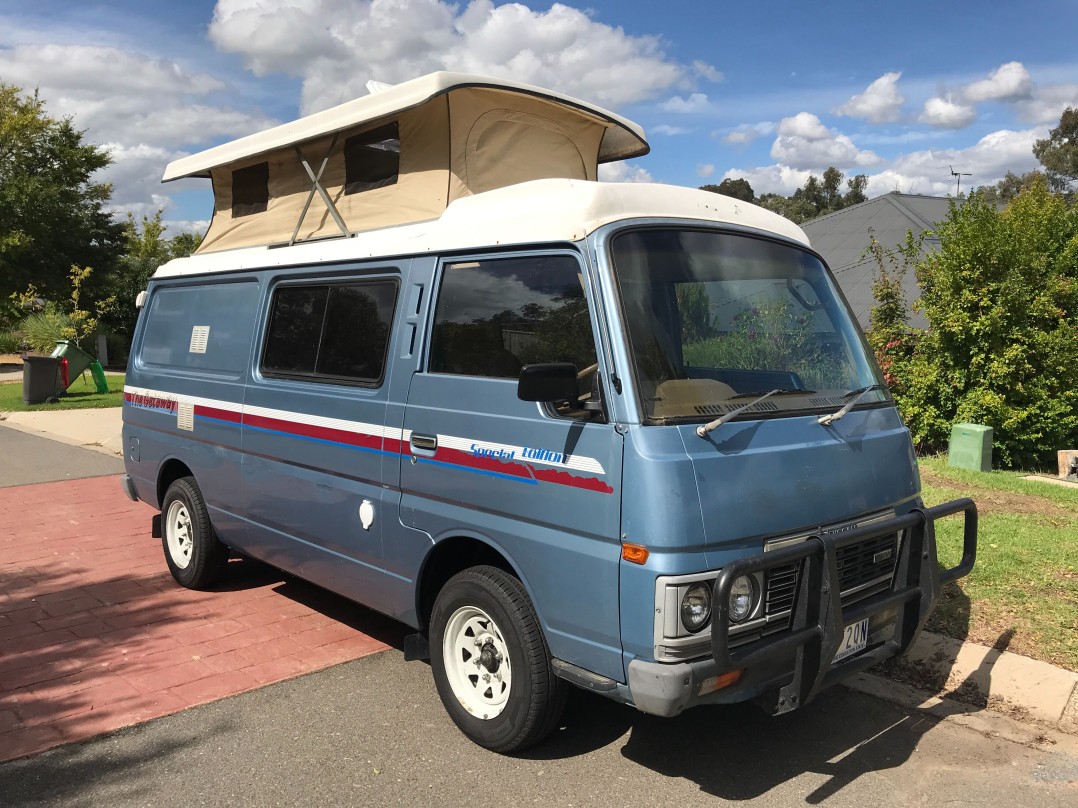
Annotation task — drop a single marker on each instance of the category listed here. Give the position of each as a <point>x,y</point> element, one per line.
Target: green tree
<point>1058,153</point>
<point>52,213</point>
<point>1004,191</point>
<point>145,249</point>
<point>1002,344</point>
<point>737,188</point>
<point>817,197</point>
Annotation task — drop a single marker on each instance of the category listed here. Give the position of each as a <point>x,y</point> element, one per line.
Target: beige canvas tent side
<point>400,155</point>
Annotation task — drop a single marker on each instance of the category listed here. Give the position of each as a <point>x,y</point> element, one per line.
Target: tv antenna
<point>958,175</point>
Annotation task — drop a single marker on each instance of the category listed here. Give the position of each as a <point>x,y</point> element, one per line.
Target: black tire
<point>535,697</point>
<point>194,556</point>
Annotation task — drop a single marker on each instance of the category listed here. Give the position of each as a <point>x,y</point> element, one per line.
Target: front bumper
<point>789,668</point>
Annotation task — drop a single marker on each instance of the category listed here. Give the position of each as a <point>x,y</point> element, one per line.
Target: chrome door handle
<point>426,442</point>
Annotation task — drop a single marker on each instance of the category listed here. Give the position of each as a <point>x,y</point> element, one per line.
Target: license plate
<point>854,639</point>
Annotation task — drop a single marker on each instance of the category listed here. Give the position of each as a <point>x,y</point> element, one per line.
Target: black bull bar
<point>818,619</point>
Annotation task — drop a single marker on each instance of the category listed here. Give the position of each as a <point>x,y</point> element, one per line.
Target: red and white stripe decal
<point>496,459</point>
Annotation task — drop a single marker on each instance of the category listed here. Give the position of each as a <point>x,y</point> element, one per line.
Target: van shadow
<point>738,752</point>
<point>248,573</point>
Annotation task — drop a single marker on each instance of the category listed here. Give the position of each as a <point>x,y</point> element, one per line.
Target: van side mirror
<point>548,381</point>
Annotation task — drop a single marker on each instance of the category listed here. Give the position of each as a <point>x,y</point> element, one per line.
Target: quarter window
<point>494,317</point>
<point>331,332</point>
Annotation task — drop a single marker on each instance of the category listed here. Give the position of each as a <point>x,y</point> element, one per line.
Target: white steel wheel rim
<point>178,534</point>
<point>476,659</point>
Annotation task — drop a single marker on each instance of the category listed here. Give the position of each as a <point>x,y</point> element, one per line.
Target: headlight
<point>696,606</point>
<point>742,599</point>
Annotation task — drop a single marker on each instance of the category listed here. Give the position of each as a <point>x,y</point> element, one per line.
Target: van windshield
<point>718,319</point>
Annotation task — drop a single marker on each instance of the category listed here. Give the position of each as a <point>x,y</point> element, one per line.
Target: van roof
<point>536,212</point>
<point>623,139</point>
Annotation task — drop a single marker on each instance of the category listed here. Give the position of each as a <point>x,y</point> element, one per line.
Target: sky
<point>903,92</point>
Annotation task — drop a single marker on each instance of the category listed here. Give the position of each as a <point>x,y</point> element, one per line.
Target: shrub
<point>43,329</point>
<point>1000,297</point>
<point>10,342</point>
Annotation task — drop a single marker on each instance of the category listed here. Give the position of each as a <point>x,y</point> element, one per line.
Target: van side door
<point>313,428</point>
<point>539,483</point>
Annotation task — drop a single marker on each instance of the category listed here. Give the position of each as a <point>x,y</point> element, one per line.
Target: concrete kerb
<point>97,429</point>
<point>975,675</point>
<point>948,677</point>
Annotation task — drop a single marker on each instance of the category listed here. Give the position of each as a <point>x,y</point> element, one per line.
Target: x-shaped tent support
<point>316,187</point>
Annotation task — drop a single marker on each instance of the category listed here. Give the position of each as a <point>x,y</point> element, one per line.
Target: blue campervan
<point>621,436</point>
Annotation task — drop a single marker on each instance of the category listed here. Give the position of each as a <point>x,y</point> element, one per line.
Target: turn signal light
<point>635,553</point>
<point>713,683</point>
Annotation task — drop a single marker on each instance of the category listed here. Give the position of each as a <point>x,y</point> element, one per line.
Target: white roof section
<point>541,211</point>
<point>622,140</point>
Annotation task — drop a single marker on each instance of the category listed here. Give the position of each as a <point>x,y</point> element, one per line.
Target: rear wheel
<point>194,556</point>
<point>491,663</point>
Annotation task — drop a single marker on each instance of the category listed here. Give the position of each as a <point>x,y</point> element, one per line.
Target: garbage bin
<point>78,360</point>
<point>40,379</point>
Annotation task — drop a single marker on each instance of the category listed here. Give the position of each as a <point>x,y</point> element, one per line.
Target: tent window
<point>372,159</point>
<point>250,190</point>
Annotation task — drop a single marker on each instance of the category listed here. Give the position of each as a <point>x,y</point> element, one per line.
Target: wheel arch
<point>448,557</point>
<point>171,470</point>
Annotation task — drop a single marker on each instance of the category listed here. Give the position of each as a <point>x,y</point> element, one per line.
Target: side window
<point>372,159</point>
<point>495,316</point>
<point>334,332</point>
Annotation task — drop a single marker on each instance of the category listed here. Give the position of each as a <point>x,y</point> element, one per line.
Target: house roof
<point>842,238</point>
<point>623,138</point>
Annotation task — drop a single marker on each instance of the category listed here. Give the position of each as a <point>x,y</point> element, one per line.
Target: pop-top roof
<point>541,211</point>
<point>622,139</point>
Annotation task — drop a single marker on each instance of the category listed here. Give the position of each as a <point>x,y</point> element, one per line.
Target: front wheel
<point>491,663</point>
<point>195,557</point>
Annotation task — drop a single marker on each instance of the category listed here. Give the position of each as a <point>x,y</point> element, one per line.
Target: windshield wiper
<point>858,394</point>
<point>702,431</point>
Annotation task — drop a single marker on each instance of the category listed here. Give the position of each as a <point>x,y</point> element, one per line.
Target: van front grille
<point>863,570</point>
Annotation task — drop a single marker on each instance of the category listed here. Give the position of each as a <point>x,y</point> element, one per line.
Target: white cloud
<point>881,101</point>
<point>89,70</point>
<point>1007,82</point>
<point>774,179</point>
<point>746,133</point>
<point>335,46</point>
<point>803,142</point>
<point>665,129</point>
<point>705,71</point>
<point>1046,104</point>
<point>947,114</point>
<point>705,170</point>
<point>803,124</point>
<point>145,111</point>
<point>987,161</point>
<point>623,171</point>
<point>695,103</point>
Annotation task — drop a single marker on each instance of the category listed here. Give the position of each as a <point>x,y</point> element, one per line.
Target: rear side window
<point>334,332</point>
<point>495,316</point>
<point>204,328</point>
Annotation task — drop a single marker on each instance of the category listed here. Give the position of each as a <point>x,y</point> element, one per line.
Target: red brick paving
<point>95,635</point>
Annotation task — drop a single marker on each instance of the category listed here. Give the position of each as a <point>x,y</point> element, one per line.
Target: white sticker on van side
<point>185,416</point>
<point>200,337</point>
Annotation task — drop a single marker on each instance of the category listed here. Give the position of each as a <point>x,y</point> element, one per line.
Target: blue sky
<point>769,91</point>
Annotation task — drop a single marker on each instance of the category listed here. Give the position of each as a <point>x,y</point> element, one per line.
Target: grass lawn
<point>81,395</point>
<point>1023,592</point>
